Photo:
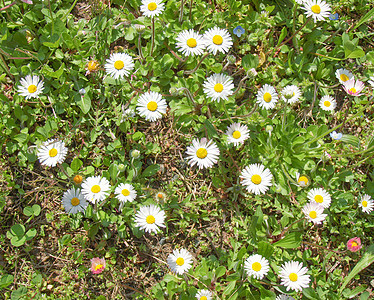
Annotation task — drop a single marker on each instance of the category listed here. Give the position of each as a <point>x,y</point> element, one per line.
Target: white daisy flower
<point>152,8</point>
<point>51,153</point>
<point>95,189</point>
<point>151,106</point>
<point>180,261</point>
<point>371,81</point>
<point>190,42</point>
<point>73,201</point>
<point>204,295</point>
<point>202,153</point>
<point>343,75</point>
<point>30,86</point>
<point>256,266</point>
<point>327,103</point>
<point>217,40</point>
<point>218,86</point>
<point>353,87</point>
<point>302,180</point>
<point>293,276</point>
<point>366,204</point>
<point>320,196</point>
<point>314,212</point>
<point>291,94</point>
<point>267,97</point>
<point>150,218</point>
<point>256,178</point>
<point>119,65</point>
<point>317,9</point>
<point>125,192</point>
<point>237,133</point>
<point>160,197</point>
<point>284,297</point>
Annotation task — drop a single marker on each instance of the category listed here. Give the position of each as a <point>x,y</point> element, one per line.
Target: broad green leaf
<point>18,241</point>
<point>18,230</point>
<point>36,209</point>
<point>352,293</point>
<point>30,234</point>
<point>28,211</point>
<point>220,271</point>
<point>365,18</point>
<point>351,139</point>
<point>6,280</point>
<point>357,53</point>
<point>290,241</point>
<point>265,249</point>
<point>282,35</point>
<point>229,288</point>
<point>151,170</point>
<point>76,164</point>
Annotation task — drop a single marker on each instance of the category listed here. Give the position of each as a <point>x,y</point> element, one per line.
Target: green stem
<point>240,85</point>
<point>181,12</point>
<point>198,65</point>
<point>53,21</point>
<point>70,9</point>
<point>153,35</point>
<point>227,112</point>
<point>288,175</point>
<point>140,47</point>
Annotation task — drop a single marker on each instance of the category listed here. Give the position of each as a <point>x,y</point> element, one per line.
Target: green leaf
<point>365,18</point>
<point>6,280</point>
<point>18,241</point>
<point>113,171</point>
<point>36,208</point>
<point>76,164</point>
<point>366,260</point>
<point>18,230</point>
<point>290,241</point>
<point>18,293</point>
<point>351,139</point>
<point>220,271</point>
<point>265,249</point>
<point>30,234</point>
<point>357,53</point>
<point>310,293</point>
<point>85,103</point>
<point>28,211</point>
<point>229,288</point>
<point>151,170</point>
<point>282,35</point>
<point>352,293</point>
<point>250,61</point>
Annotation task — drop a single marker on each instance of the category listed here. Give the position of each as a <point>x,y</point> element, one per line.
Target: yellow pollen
<point>364,203</point>
<point>125,192</point>
<point>203,298</point>
<point>344,77</point>
<point>256,266</point>
<point>303,180</point>
<point>152,105</point>
<point>318,198</point>
<point>267,97</point>
<point>256,179</point>
<point>180,261</point>
<point>327,103</point>
<point>218,87</point>
<point>201,153</point>
<point>95,189</point>
<point>75,201</point>
<point>92,65</point>
<point>236,134</point>
<point>353,90</point>
<point>316,9</point>
<point>313,214</point>
<point>293,277</point>
<point>32,88</point>
<point>53,152</point>
<point>150,219</point>
<point>152,6</point>
<point>78,179</point>
<point>218,40</point>
<point>119,64</point>
<point>354,244</point>
<point>99,266</point>
<point>191,43</point>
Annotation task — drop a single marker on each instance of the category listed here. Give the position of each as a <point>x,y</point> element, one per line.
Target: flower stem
<point>240,85</point>
<point>198,65</point>
<point>181,12</point>
<point>153,35</point>
<point>140,47</point>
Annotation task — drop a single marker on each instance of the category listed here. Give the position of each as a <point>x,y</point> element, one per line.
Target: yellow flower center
<point>32,88</point>
<point>92,65</point>
<point>316,9</point>
<point>152,105</point>
<point>125,192</point>
<point>354,244</point>
<point>150,219</point>
<point>75,201</point>
<point>256,179</point>
<point>267,97</point>
<point>119,64</point>
<point>218,87</point>
<point>191,43</point>
<point>236,134</point>
<point>203,298</point>
<point>78,179</point>
<point>364,203</point>
<point>293,277</point>
<point>152,6</point>
<point>99,266</point>
<point>313,214</point>
<point>180,261</point>
<point>217,39</point>
<point>303,180</point>
<point>201,153</point>
<point>327,103</point>
<point>353,90</point>
<point>160,196</point>
<point>53,152</point>
<point>344,77</point>
<point>95,189</point>
<point>318,198</point>
<point>256,266</point>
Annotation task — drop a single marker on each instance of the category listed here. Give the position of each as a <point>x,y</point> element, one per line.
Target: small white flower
<point>256,266</point>
<point>135,154</point>
<point>343,75</point>
<point>119,65</point>
<point>30,87</point>
<point>180,261</point>
<point>202,153</point>
<point>204,295</point>
<point>51,153</point>
<point>317,9</point>
<point>150,218</point>
<point>217,40</point>
<point>190,42</point>
<point>291,94</point>
<point>293,276</point>
<point>320,196</point>
<point>353,87</point>
<point>152,8</point>
<point>256,178</point>
<point>302,180</point>
<point>314,212</point>
<point>125,192</point>
<point>267,97</point>
<point>327,103</point>
<point>284,297</point>
<point>151,106</point>
<point>73,201</point>
<point>218,86</point>
<point>95,189</point>
<point>366,204</point>
<point>237,133</point>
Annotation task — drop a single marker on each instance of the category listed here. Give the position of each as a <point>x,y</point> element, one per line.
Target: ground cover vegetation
<point>187,149</point>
